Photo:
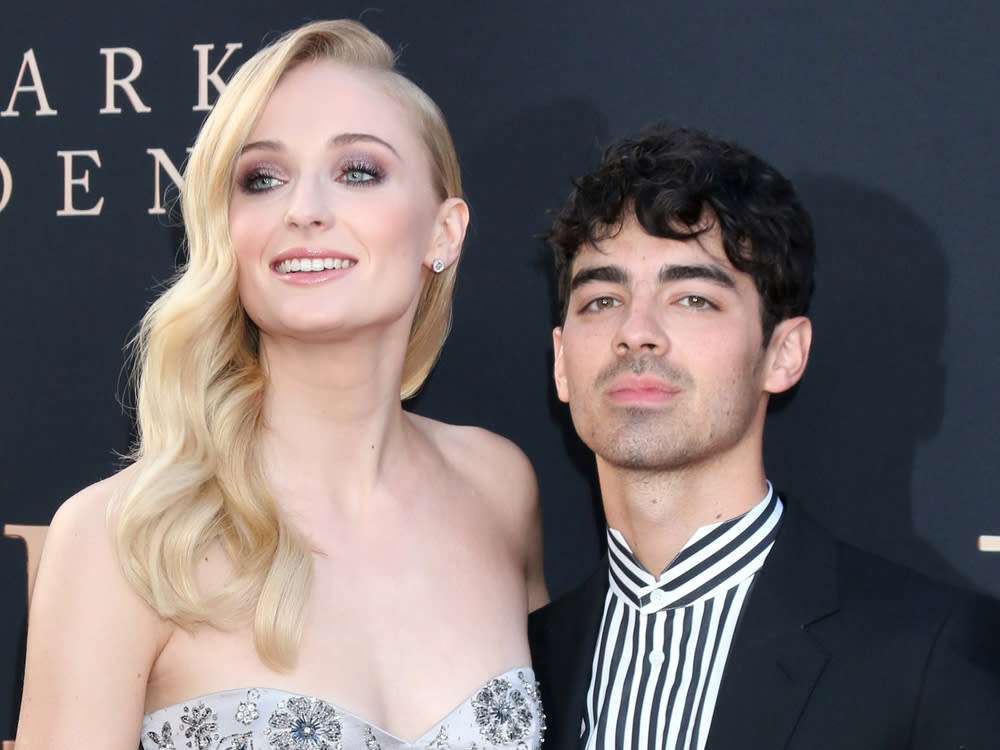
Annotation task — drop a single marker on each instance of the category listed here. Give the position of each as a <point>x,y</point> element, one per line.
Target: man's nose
<point>641,329</point>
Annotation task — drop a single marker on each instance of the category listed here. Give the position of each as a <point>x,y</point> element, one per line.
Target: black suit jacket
<point>835,648</point>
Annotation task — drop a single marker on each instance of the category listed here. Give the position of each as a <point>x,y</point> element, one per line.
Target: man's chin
<point>651,456</point>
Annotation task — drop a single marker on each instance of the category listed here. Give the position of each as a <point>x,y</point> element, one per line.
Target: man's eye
<point>602,303</point>
<point>696,302</point>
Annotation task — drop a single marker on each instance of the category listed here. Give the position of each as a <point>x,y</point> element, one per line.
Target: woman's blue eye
<point>358,175</point>
<point>361,172</point>
<point>257,182</point>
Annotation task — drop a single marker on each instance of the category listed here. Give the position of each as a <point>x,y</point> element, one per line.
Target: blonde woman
<point>293,561</point>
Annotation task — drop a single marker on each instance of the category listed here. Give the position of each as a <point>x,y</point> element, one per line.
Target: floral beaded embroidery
<point>502,713</point>
<point>201,725</point>
<point>242,741</point>
<point>246,712</point>
<point>440,741</point>
<point>370,742</point>
<point>533,690</point>
<point>304,724</point>
<point>163,740</point>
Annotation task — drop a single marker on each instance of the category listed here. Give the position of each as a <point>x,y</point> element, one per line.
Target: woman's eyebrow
<point>344,139</point>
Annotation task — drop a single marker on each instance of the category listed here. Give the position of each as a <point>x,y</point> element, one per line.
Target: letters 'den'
<point>123,66</point>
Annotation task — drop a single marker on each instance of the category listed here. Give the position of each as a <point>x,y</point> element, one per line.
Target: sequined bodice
<point>505,714</point>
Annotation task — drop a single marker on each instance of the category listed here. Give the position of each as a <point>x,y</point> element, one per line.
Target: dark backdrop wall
<point>885,117</point>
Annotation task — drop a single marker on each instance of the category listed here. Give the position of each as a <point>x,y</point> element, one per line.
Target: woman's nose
<point>309,205</point>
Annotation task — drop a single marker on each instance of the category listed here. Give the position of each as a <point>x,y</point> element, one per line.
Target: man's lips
<point>643,389</point>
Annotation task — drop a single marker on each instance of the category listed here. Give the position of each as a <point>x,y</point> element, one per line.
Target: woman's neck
<point>332,416</point>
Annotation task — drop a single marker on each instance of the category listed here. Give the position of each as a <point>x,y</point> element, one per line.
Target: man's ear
<point>449,232</point>
<point>787,354</point>
<point>558,372</point>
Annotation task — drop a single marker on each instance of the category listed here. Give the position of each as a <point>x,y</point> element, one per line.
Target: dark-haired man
<point>723,617</point>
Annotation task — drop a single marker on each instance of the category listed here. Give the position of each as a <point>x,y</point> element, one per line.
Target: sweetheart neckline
<point>347,712</point>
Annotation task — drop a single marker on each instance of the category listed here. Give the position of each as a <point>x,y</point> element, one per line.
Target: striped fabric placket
<point>663,642</point>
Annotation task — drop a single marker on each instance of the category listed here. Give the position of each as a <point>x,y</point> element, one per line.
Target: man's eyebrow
<point>707,272</point>
<point>344,139</point>
<point>613,274</point>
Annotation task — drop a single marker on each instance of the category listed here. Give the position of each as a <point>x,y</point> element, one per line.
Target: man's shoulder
<point>867,582</point>
<point>920,650</point>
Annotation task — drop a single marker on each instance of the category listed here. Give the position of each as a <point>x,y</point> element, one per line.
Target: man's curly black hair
<point>679,182</point>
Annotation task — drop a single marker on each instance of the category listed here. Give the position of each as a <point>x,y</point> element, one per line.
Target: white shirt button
<point>656,658</point>
<point>657,597</point>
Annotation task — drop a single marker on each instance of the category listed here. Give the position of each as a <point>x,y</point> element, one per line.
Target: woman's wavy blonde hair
<point>198,477</point>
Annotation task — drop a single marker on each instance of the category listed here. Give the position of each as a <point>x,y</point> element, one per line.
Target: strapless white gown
<point>505,714</point>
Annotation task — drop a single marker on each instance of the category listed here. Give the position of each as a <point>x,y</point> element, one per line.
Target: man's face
<point>661,356</point>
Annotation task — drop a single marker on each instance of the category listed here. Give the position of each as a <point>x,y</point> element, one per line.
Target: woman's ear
<point>787,354</point>
<point>449,233</point>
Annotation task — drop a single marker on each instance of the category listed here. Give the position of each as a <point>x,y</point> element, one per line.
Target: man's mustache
<point>641,364</point>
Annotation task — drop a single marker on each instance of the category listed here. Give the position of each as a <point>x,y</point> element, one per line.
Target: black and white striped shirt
<point>663,642</point>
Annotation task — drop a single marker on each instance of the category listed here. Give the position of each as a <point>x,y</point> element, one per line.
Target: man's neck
<point>658,512</point>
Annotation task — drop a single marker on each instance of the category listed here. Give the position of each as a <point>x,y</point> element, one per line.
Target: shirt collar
<point>716,557</point>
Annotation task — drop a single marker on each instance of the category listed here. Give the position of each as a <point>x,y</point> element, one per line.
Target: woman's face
<point>332,214</point>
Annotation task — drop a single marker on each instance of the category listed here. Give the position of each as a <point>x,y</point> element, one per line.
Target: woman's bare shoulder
<point>80,553</point>
<point>501,474</point>
<point>86,515</point>
<point>484,458</point>
<point>80,547</point>
<point>86,627</point>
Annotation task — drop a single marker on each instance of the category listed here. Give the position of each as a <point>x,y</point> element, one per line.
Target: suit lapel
<point>774,661</point>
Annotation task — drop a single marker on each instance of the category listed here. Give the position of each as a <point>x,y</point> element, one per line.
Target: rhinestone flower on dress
<point>246,712</point>
<point>201,726</point>
<point>304,724</point>
<point>164,739</point>
<point>502,713</point>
